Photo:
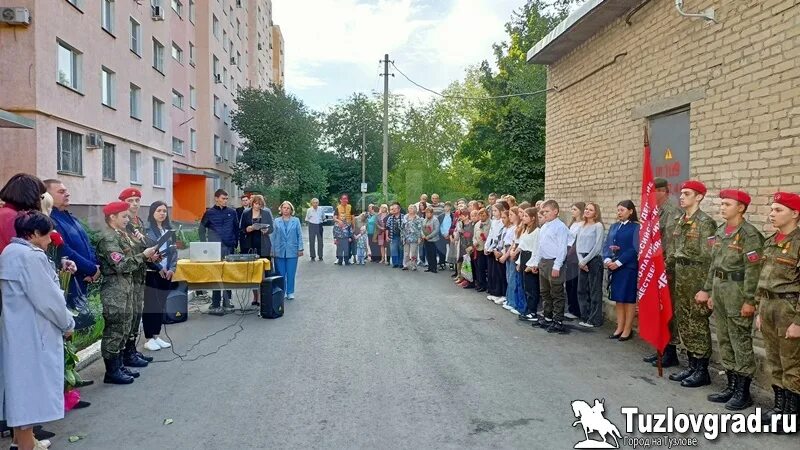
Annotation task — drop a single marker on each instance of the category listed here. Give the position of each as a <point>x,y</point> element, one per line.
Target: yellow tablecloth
<point>249,272</point>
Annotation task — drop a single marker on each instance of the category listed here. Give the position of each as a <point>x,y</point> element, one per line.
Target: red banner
<point>655,304</point>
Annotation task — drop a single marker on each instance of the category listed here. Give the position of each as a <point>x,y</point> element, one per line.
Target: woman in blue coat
<point>287,246</point>
<point>621,258</point>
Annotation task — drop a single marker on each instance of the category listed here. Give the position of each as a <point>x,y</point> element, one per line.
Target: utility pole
<point>364,167</point>
<point>385,177</point>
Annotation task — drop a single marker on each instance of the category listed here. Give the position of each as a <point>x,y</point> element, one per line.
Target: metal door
<point>669,144</point>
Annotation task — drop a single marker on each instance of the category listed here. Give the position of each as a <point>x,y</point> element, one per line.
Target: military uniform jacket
<point>118,254</point>
<point>780,274</point>
<point>667,214</point>
<point>692,240</point>
<point>737,257</point>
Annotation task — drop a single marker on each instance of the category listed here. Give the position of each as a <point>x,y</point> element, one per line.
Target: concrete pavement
<point>373,357</point>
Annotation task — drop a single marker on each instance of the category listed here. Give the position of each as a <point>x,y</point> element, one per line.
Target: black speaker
<point>272,293</point>
<point>176,308</point>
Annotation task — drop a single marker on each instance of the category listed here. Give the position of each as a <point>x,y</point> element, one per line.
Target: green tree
<point>281,145</point>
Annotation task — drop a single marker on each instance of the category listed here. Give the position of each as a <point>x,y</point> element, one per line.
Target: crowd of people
<point>48,262</point>
<point>545,271</point>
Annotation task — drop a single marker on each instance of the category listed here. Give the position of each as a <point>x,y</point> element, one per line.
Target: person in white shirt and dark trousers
<point>589,246</point>
<point>571,265</point>
<point>553,239</point>
<point>314,218</point>
<point>529,245</point>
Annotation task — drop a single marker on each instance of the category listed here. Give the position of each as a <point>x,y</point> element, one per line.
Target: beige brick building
<point>722,101</point>
<point>615,68</point>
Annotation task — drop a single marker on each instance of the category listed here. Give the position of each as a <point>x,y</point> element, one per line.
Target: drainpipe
<point>708,14</point>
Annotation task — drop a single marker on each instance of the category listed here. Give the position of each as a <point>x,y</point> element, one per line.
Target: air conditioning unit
<point>158,13</point>
<point>259,46</point>
<point>218,78</point>
<point>15,16</point>
<point>238,3</point>
<point>233,60</point>
<point>94,140</point>
<point>218,159</point>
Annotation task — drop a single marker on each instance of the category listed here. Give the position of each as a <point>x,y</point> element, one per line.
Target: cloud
<point>335,45</point>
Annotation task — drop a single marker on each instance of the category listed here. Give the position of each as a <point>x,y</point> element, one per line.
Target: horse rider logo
<point>592,420</point>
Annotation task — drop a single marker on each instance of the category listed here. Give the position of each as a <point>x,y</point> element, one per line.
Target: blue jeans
<point>396,249</point>
<point>287,268</point>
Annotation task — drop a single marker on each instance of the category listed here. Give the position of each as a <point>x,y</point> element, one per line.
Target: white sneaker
<point>499,300</point>
<point>586,325</point>
<point>514,311</point>
<point>162,343</point>
<point>152,345</point>
<point>570,316</point>
<point>491,298</point>
<point>507,306</point>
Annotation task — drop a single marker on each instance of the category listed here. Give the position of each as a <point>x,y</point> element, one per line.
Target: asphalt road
<point>373,357</point>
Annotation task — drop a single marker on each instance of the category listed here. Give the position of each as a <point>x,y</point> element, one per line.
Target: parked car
<point>328,214</point>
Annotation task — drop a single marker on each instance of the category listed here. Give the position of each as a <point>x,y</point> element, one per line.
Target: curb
<point>87,356</point>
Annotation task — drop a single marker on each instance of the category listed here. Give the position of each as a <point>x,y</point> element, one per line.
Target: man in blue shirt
<point>220,224</point>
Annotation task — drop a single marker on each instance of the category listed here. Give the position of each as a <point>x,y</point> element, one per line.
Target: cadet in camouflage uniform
<point>119,259</point>
<point>132,357</point>
<point>690,254</point>
<point>778,296</point>
<point>667,214</point>
<point>730,289</point>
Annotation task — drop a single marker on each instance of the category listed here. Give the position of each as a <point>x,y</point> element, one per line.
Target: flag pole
<point>659,352</point>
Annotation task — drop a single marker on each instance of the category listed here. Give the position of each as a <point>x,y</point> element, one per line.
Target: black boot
<point>700,376</point>
<point>113,373</point>
<point>683,374</point>
<point>670,357</point>
<point>779,405</point>
<point>727,393</point>
<point>791,407</point>
<point>651,358</point>
<point>126,371</point>
<point>130,358</point>
<point>131,347</point>
<point>741,398</point>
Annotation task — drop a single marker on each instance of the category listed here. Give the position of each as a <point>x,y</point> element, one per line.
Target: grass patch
<point>84,338</point>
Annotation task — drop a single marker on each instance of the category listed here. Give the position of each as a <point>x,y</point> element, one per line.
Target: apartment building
<point>277,55</point>
<point>129,92</point>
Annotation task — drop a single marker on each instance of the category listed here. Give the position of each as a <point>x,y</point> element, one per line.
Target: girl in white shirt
<point>495,270</point>
<point>529,246</point>
<point>571,263</point>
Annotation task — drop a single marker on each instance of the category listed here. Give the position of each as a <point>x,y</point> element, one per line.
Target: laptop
<point>205,251</point>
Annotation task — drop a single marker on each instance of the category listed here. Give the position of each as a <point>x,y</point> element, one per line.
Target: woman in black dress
<point>257,226</point>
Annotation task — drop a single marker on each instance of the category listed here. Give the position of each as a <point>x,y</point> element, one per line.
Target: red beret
<point>130,192</point>
<point>694,185</point>
<point>115,208</point>
<point>788,199</point>
<point>733,194</point>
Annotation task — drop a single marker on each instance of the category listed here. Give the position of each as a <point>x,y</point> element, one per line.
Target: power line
<point>460,97</point>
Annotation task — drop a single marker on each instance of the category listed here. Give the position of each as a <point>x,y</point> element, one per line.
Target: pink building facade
<point>124,93</point>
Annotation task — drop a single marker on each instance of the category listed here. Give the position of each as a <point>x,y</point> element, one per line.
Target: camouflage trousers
<point>673,323</point>
<point>692,318</point>
<point>137,293</point>
<point>117,298</point>
<point>783,355</point>
<point>734,332</point>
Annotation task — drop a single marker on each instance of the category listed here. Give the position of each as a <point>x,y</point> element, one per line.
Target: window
<point>238,58</point>
<point>107,15</point>
<point>107,80</point>
<point>109,162</point>
<point>177,6</point>
<point>225,150</point>
<point>224,113</point>
<point>77,3</point>
<point>136,165</point>
<point>215,64</point>
<point>136,99</point>
<point>231,81</point>
<point>177,53</point>
<point>177,99</point>
<point>136,37</point>
<point>231,14</point>
<point>238,28</point>
<point>158,172</point>
<point>158,56</point>
<point>191,11</point>
<point>191,54</point>
<point>217,143</point>
<point>216,106</point>
<point>192,139</point>
<point>192,97</point>
<point>158,114</point>
<point>224,40</point>
<point>230,48</point>
<point>70,152</point>
<point>225,77</point>
<point>68,67</point>
<point>177,146</point>
<point>215,26</point>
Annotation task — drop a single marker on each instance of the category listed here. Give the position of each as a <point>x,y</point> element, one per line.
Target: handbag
<point>79,304</point>
<point>466,269</point>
